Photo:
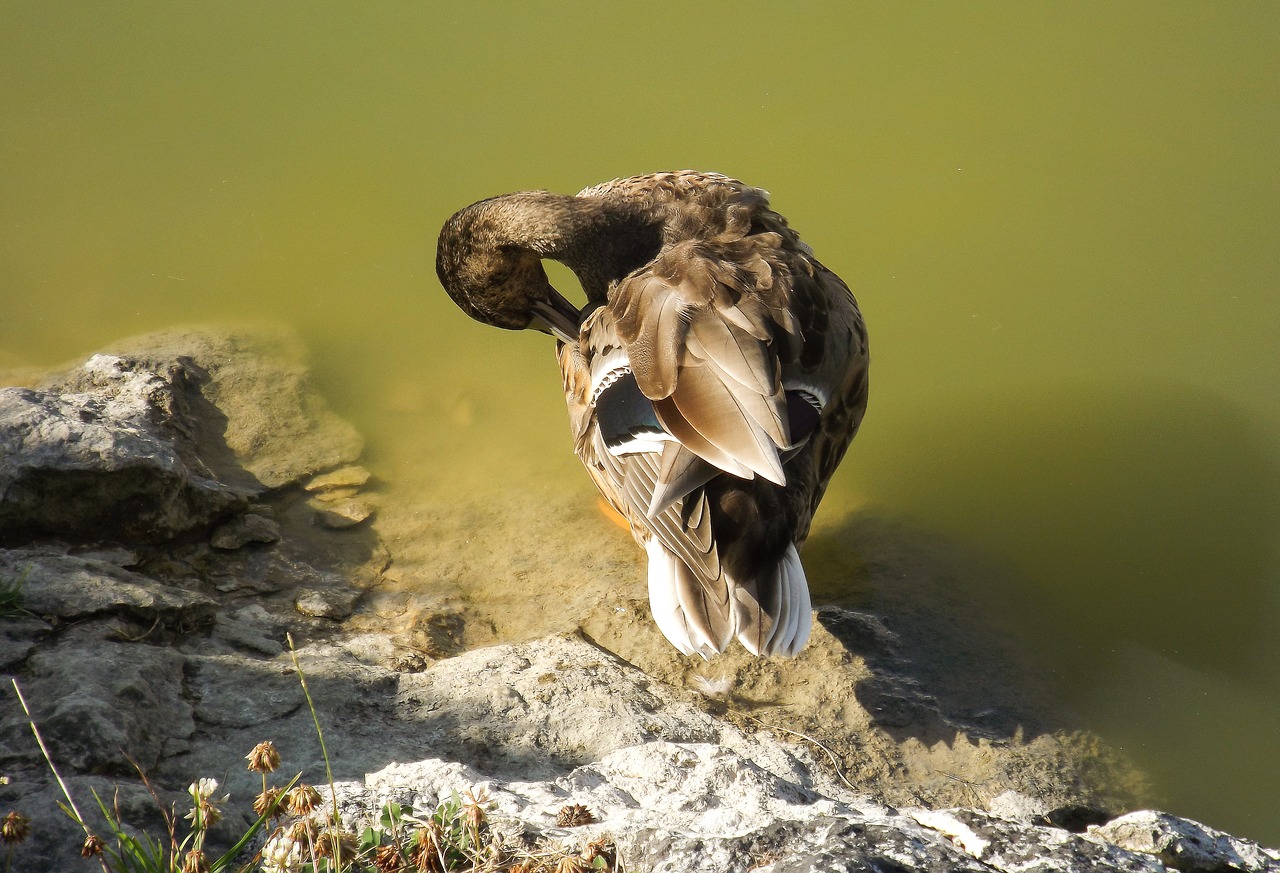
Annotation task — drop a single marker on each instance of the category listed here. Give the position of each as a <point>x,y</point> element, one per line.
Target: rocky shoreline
<point>172,507</point>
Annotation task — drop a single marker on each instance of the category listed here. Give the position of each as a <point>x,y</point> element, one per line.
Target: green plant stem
<point>334,821</point>
<point>44,750</point>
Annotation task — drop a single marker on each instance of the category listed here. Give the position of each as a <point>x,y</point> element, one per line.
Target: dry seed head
<point>263,758</point>
<point>426,849</point>
<point>337,845</point>
<point>14,828</point>
<point>575,815</point>
<point>572,864</point>
<point>303,831</point>
<point>195,862</point>
<point>601,848</point>
<point>268,801</point>
<point>387,859</point>
<point>92,847</point>
<point>302,799</point>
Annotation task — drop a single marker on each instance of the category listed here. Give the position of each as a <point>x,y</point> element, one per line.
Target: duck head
<point>489,260</point>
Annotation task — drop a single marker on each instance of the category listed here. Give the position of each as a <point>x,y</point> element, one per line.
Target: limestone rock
<point>675,807</point>
<point>1186,845</point>
<point>100,703</point>
<point>347,478</point>
<point>72,588</point>
<point>334,603</point>
<point>256,402</point>
<point>102,459</point>
<point>168,433</point>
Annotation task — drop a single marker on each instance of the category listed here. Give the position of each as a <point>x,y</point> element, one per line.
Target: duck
<point>714,379</point>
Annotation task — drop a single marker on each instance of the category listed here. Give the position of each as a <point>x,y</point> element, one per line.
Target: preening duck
<point>714,379</point>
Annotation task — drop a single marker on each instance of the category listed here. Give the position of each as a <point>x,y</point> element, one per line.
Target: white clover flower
<point>282,854</point>
<point>206,812</point>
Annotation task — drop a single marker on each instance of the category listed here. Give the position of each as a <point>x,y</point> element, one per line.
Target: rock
<point>343,513</point>
<point>169,433</point>
<point>251,629</point>
<point>245,529</point>
<point>347,478</point>
<point>103,460</point>
<point>677,807</point>
<point>239,692</point>
<point>54,845</point>
<point>256,409</point>
<point>326,602</point>
<point>18,637</point>
<point>98,704</point>
<point>72,589</point>
<point>1186,845</point>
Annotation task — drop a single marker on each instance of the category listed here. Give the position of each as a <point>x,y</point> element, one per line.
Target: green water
<point>1061,221</point>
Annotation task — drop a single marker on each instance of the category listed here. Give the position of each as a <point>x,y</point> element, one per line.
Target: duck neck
<point>601,242</point>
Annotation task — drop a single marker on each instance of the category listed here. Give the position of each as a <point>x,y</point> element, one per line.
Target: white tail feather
<point>664,602</point>
<point>793,617</point>
<point>791,631</point>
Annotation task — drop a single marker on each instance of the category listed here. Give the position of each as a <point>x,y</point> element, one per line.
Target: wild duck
<point>714,379</point>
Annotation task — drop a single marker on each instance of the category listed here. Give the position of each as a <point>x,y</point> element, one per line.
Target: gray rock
<point>100,703</point>
<point>168,433</point>
<point>334,603</point>
<point>240,692</point>
<point>1186,845</point>
<point>103,460</point>
<point>256,412</point>
<point>245,529</point>
<point>694,806</point>
<point>18,637</point>
<point>250,629</point>
<point>72,588</point>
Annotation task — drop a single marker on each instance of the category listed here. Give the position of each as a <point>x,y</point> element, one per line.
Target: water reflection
<point>1138,522</point>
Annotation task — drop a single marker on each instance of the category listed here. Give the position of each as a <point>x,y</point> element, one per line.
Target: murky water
<point>1061,223</point>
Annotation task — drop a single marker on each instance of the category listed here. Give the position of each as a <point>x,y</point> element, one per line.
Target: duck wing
<point>706,328</point>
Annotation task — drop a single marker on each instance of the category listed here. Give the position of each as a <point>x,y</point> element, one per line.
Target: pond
<point>1060,220</point>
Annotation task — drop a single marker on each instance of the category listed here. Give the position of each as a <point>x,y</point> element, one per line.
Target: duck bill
<point>555,316</point>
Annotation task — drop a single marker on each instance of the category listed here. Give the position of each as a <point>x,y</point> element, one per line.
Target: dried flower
<point>475,807</point>
<point>14,828</point>
<point>302,799</point>
<point>304,830</point>
<point>575,815</point>
<point>602,848</point>
<point>268,802</point>
<point>337,845</point>
<point>572,864</point>
<point>195,862</point>
<point>426,850</point>
<point>282,854</point>
<point>388,859</point>
<point>92,847</point>
<point>263,758</point>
